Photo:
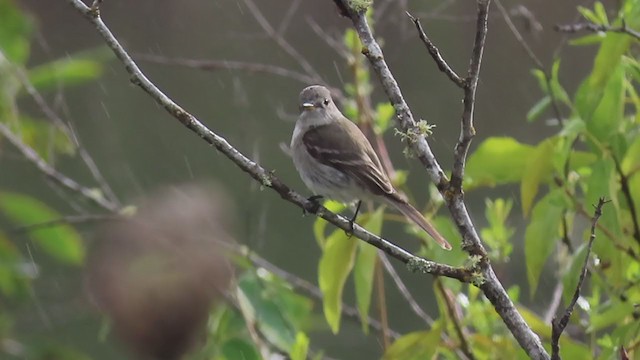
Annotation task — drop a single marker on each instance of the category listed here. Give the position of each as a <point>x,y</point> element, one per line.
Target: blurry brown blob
<point>158,273</point>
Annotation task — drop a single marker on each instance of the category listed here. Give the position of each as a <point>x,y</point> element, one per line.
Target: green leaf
<point>541,77</point>
<point>538,166</point>
<point>498,160</point>
<point>600,13</point>
<point>417,345</point>
<point>588,14</point>
<point>614,313</point>
<point>13,276</point>
<point>498,234</point>
<point>557,90</point>
<point>591,39</point>
<point>320,225</point>
<point>335,265</point>
<point>300,348</point>
<point>384,113</point>
<point>65,72</point>
<point>607,61</point>
<point>541,235</point>
<point>239,349</point>
<point>608,112</point>
<point>15,31</point>
<point>261,309</point>
<point>45,138</point>
<point>538,109</point>
<point>365,267</point>
<point>61,241</point>
<point>631,160</point>
<point>569,348</point>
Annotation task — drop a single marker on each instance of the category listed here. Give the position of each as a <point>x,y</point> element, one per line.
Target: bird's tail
<point>414,215</point>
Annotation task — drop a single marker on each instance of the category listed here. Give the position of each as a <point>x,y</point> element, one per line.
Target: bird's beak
<point>308,106</point>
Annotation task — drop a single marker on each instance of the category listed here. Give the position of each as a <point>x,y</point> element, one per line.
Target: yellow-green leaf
<point>541,235</point>
<point>498,160</point>
<point>538,166</point>
<point>365,267</point>
<point>300,348</point>
<point>417,345</point>
<point>335,265</point>
<point>320,225</point>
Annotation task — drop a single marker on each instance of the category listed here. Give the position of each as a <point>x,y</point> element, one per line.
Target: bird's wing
<point>337,146</point>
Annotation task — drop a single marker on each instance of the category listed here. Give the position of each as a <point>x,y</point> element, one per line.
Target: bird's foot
<point>349,232</point>
<point>313,204</point>
<point>352,221</point>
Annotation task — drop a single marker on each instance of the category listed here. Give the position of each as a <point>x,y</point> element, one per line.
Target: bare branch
<point>249,67</point>
<point>489,284</point>
<point>460,330</point>
<point>413,304</point>
<point>264,177</point>
<point>537,62</point>
<point>284,45</point>
<point>58,177</point>
<point>215,65</point>
<point>559,324</point>
<point>587,26</point>
<point>66,128</point>
<point>435,53</point>
<point>302,285</point>
<point>626,190</point>
<point>467,131</point>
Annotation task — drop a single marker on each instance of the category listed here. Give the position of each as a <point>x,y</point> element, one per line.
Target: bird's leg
<point>315,204</point>
<point>353,219</point>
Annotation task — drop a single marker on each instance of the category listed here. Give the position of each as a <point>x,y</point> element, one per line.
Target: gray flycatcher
<point>335,159</point>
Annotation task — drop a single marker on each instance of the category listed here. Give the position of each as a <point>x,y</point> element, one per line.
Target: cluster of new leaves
<point>594,152</point>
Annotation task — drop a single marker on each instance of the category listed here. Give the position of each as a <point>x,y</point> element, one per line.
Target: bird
<point>336,160</point>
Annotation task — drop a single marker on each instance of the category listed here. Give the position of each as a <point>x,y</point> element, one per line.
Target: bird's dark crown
<point>315,96</point>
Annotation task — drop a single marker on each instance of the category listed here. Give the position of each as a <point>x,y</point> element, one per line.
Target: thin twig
<point>284,24</point>
<point>555,303</point>
<point>260,174</point>
<point>58,177</point>
<point>215,65</point>
<point>608,233</point>
<point>249,67</point>
<point>303,285</point>
<point>467,131</point>
<point>66,128</point>
<point>490,285</point>
<point>626,191</point>
<point>284,45</point>
<point>435,53</point>
<point>460,331</point>
<point>382,304</point>
<point>514,30</point>
<point>534,58</point>
<point>413,304</point>
<point>588,26</point>
<point>559,324</point>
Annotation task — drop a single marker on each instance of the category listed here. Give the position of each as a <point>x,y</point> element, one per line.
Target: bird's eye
<point>326,102</point>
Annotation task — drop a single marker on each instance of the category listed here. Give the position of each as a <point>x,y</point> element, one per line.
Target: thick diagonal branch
<point>263,176</point>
